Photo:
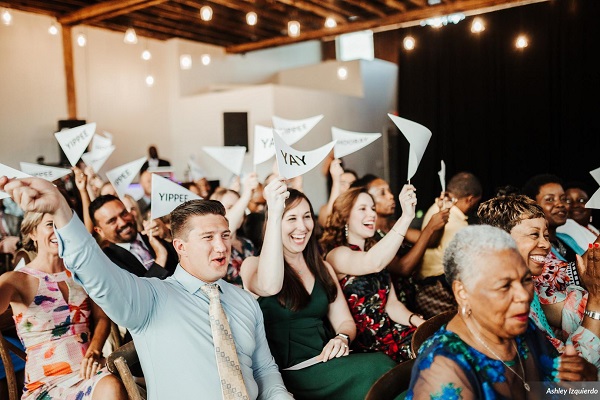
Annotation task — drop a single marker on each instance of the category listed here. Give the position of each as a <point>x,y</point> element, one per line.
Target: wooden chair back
<point>428,328</point>
<point>6,347</point>
<point>119,362</point>
<point>392,383</point>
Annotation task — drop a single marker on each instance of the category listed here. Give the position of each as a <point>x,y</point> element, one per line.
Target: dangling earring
<point>464,312</point>
<point>346,231</point>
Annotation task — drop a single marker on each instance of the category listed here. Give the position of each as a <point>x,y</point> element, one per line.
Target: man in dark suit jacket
<point>139,254</point>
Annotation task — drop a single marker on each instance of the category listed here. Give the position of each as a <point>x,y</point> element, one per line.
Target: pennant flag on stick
<point>348,142</point>
<point>101,142</point>
<point>44,171</point>
<point>121,177</point>
<point>264,148</point>
<point>74,141</point>
<point>98,157</point>
<point>294,130</point>
<point>293,163</point>
<point>166,195</point>
<point>418,137</point>
<point>594,201</point>
<point>442,174</point>
<point>11,173</point>
<point>231,157</point>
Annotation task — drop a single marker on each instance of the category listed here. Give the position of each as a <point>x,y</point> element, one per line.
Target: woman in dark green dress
<point>306,314</point>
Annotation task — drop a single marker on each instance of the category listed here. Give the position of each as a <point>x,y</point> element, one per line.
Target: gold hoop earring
<point>466,313</point>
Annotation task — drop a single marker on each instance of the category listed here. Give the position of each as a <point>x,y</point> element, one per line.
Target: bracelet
<point>410,319</point>
<point>343,335</point>
<point>397,232</point>
<point>593,314</point>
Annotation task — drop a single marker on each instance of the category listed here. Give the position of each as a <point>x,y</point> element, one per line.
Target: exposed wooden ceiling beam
<point>409,16</point>
<point>367,6</point>
<point>313,9</point>
<point>395,4</point>
<point>107,9</point>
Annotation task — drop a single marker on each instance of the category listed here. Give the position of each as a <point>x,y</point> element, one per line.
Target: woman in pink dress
<point>54,319</point>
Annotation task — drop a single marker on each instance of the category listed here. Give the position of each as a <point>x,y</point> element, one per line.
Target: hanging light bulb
<point>251,18</point>
<point>185,61</point>
<point>206,13</point>
<point>342,73</point>
<point>6,17</point>
<point>53,30</point>
<point>130,36</point>
<point>205,59</point>
<point>330,22</point>
<point>146,55</point>
<point>293,29</point>
<point>521,42</point>
<point>409,43</point>
<point>477,26</point>
<point>81,40</point>
<point>149,81</point>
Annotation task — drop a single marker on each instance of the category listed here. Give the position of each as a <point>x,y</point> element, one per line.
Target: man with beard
<point>142,255</point>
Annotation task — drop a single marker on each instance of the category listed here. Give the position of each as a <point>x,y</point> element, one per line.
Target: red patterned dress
<point>367,297</point>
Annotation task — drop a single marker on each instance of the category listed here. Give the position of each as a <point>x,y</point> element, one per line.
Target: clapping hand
<point>589,268</point>
<point>572,367</point>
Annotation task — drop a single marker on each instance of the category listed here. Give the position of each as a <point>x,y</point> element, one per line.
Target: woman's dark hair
<point>532,187</point>
<point>364,181</point>
<point>293,294</point>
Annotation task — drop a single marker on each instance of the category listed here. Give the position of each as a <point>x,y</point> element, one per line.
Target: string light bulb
<point>149,81</point>
<point>477,26</point>
<point>293,29</point>
<point>6,17</point>
<point>330,22</point>
<point>81,40</point>
<point>146,55</point>
<point>251,18</point>
<point>409,43</point>
<point>342,73</point>
<point>206,13</point>
<point>53,29</point>
<point>185,61</point>
<point>521,42</point>
<point>205,59</point>
<point>130,36</point>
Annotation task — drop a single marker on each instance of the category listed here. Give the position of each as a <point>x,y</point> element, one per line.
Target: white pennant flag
<point>74,141</point>
<point>121,177</point>
<point>98,157</point>
<point>418,137</point>
<point>263,148</point>
<point>594,201</point>
<point>294,130</point>
<point>231,157</point>
<point>44,171</point>
<point>293,163</point>
<point>20,265</point>
<point>196,171</point>
<point>348,142</point>
<point>10,173</point>
<point>101,142</point>
<point>442,174</point>
<point>166,195</point>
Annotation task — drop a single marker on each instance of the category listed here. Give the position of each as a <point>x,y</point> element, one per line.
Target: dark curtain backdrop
<point>506,114</point>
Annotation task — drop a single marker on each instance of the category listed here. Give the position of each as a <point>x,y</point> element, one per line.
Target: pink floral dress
<point>56,335</point>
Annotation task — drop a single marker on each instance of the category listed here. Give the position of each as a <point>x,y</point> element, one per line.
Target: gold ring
<point>95,363</point>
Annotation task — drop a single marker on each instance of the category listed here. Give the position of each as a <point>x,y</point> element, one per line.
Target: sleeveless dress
<point>56,335</point>
<point>367,297</point>
<point>296,336</point>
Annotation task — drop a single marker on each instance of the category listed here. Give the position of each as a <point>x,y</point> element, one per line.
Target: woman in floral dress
<point>383,323</point>
<point>53,316</point>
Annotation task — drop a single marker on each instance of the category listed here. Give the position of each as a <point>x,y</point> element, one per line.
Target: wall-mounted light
<point>185,61</point>
<point>205,59</point>
<point>81,40</point>
<point>6,16</point>
<point>53,29</point>
<point>146,55</point>
<point>251,18</point>
<point>293,29</point>
<point>206,13</point>
<point>149,81</point>
<point>342,73</point>
<point>330,22</point>
<point>409,43</point>
<point>477,26</point>
<point>521,42</point>
<point>130,36</point>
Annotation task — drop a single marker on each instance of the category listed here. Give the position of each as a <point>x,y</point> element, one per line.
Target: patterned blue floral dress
<point>448,368</point>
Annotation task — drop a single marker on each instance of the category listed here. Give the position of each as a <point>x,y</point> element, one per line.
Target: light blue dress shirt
<point>170,325</point>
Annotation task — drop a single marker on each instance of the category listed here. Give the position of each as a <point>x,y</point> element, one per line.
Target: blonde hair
<point>30,222</point>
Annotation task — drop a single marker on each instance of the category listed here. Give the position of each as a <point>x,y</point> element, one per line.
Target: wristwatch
<point>591,314</point>
<point>343,335</point>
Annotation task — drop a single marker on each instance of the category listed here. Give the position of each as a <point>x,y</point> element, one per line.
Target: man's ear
<point>180,247</point>
<point>98,230</point>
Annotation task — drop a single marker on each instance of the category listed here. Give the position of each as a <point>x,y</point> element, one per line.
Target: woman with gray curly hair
<point>490,349</point>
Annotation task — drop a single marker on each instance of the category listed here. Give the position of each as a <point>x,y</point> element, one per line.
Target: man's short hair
<point>182,214</point>
<point>532,187</point>
<point>464,184</point>
<point>505,212</point>
<point>98,203</point>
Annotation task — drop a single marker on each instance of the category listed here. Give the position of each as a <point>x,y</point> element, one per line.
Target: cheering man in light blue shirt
<point>168,319</point>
